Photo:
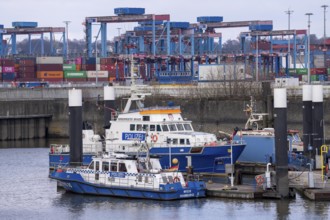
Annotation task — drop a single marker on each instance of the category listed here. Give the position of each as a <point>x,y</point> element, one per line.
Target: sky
<point>52,13</point>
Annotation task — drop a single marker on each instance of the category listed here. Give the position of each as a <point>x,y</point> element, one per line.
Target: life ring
<point>154,138</point>
<point>260,180</point>
<point>176,179</point>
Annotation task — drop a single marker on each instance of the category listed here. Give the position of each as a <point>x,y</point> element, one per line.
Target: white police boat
<point>121,175</point>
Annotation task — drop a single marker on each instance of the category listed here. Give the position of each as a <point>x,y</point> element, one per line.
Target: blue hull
<point>258,149</point>
<point>174,191</point>
<point>207,159</point>
<point>261,149</point>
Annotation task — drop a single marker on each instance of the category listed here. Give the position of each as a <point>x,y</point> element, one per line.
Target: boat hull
<point>203,159</point>
<point>73,182</point>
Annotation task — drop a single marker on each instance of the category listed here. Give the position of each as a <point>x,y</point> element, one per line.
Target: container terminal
<point>176,53</point>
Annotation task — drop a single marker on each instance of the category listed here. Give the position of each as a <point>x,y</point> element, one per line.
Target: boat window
<point>172,127</point>
<point>175,141</point>
<point>105,166</point>
<point>168,141</point>
<point>132,127</point>
<point>180,127</point>
<point>152,128</point>
<point>159,128</point>
<point>146,118</point>
<point>122,167</point>
<point>139,127</point>
<point>91,165</point>
<point>164,127</point>
<point>145,127</point>
<point>97,165</point>
<point>187,127</point>
<point>114,166</point>
<point>181,141</point>
<point>187,141</point>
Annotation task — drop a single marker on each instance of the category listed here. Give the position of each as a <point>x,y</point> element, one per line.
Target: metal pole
<point>289,12</point>
<point>96,78</point>
<point>324,36</point>
<point>67,38</point>
<point>257,60</point>
<point>308,48</point>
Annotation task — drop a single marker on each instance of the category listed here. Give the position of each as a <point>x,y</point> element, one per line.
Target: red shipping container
<point>318,71</point>
<point>27,69</point>
<point>8,62</point>
<point>49,67</point>
<point>88,67</point>
<point>27,62</point>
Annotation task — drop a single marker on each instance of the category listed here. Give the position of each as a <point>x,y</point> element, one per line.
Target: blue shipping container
<point>1,26</point>
<point>209,19</point>
<point>8,76</point>
<point>24,24</point>
<point>182,25</point>
<point>129,11</point>
<point>261,27</point>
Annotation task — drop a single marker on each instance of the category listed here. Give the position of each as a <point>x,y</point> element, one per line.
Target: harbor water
<point>26,192</point>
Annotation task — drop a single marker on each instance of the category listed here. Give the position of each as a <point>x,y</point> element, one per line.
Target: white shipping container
<point>212,72</point>
<point>100,74</point>
<point>49,60</point>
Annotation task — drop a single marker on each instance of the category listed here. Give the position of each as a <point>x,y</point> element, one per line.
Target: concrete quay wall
<point>34,113</point>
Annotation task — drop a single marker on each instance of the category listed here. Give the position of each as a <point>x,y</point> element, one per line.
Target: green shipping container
<point>302,71</point>
<point>69,67</point>
<point>314,78</point>
<point>328,71</point>
<point>74,74</point>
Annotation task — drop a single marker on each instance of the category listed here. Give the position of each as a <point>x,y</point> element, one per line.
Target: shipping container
<point>314,78</point>
<point>78,60</point>
<point>75,74</point>
<point>29,75</point>
<point>7,62</point>
<point>8,76</point>
<point>318,71</point>
<point>49,67</point>
<point>181,25</point>
<point>99,74</point>
<point>50,74</point>
<point>49,60</point>
<point>27,69</point>
<point>8,69</point>
<point>69,67</point>
<point>301,71</point>
<point>24,24</point>
<point>208,19</point>
<point>129,11</point>
<point>88,67</point>
<point>27,62</point>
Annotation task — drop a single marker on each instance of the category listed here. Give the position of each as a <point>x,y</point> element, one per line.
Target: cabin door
<point>97,170</point>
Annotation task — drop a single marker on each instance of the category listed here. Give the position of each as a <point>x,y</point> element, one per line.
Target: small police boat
<point>129,176</point>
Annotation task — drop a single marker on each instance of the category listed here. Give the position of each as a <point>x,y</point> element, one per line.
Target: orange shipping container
<point>50,74</point>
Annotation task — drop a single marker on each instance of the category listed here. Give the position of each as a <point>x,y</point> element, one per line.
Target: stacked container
<point>109,65</point>
<point>26,69</point>
<point>73,75</point>
<point>8,70</point>
<point>319,74</point>
<point>50,69</point>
